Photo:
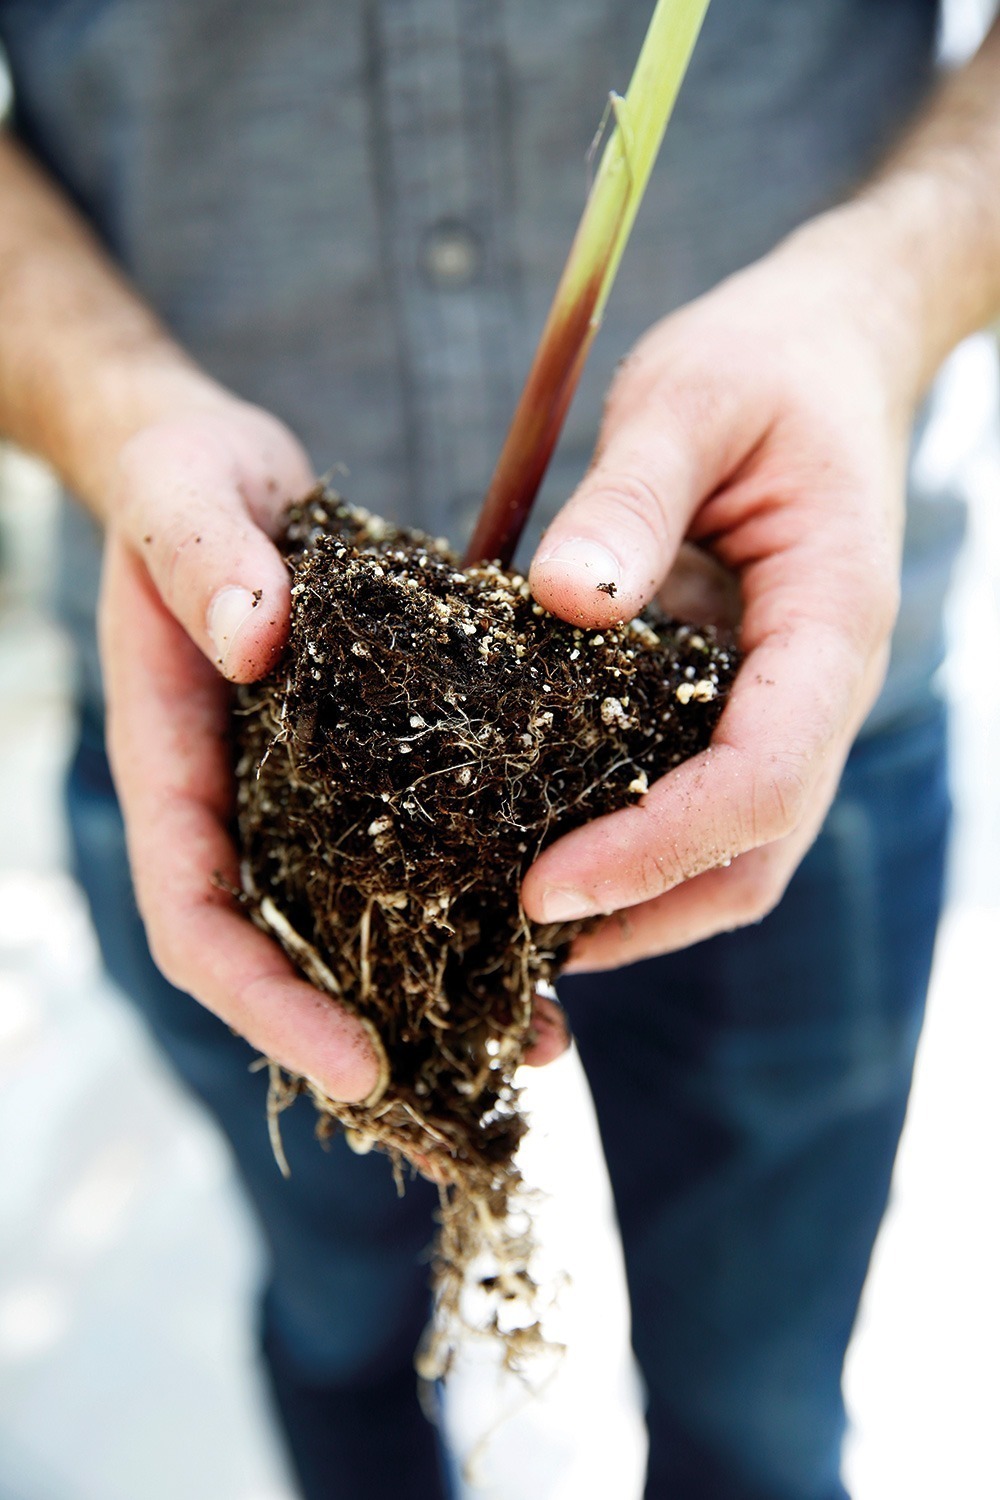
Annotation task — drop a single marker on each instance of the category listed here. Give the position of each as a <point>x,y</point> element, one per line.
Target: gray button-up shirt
<point>355,211</point>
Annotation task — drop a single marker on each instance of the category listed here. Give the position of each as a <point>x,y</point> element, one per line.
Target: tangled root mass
<point>429,731</point>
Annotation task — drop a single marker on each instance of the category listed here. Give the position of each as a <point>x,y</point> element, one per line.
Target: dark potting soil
<point>428,732</point>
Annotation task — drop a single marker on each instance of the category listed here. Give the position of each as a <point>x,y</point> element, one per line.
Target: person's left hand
<point>768,424</point>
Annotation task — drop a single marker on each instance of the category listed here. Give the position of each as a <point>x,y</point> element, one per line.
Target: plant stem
<point>578,306</point>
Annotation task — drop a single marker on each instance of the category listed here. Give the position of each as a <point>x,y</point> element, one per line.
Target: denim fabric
<point>750,1093</point>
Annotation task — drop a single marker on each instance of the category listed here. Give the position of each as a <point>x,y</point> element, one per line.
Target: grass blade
<point>640,120</point>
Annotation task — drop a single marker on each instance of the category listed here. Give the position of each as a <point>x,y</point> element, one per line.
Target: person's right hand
<point>194,592</point>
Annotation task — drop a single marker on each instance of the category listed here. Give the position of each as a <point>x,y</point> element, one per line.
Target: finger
<point>167,741</point>
<point>198,497</point>
<point>550,1030</point>
<point>797,702</point>
<point>663,447</point>
<point>719,901</point>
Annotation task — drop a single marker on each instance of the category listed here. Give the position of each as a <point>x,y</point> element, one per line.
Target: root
<point>428,732</point>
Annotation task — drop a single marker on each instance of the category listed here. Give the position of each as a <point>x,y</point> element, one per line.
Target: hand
<point>768,423</point>
<point>193,588</point>
<point>189,564</point>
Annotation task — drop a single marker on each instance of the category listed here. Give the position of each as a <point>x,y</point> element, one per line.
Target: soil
<point>428,732</point>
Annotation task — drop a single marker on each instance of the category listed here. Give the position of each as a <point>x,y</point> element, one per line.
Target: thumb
<point>198,496</point>
<point>609,549</point>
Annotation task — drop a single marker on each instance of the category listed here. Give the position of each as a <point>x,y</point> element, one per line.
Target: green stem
<point>578,306</point>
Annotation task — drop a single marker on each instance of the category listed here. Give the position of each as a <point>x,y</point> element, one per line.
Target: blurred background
<point>127,1261</point>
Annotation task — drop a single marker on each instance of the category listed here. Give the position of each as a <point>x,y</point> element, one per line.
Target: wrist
<point>863,282</point>
<point>940,238</point>
<point>920,246</point>
<point>84,363</point>
<point>127,393</point>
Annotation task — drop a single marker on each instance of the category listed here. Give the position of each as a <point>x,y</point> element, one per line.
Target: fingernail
<point>589,557</point>
<point>562,905</point>
<point>379,1057</point>
<point>229,610</point>
<point>549,1033</point>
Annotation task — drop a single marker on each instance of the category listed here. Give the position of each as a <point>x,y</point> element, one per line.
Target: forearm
<point>188,478</point>
<point>922,238</point>
<point>84,363</point>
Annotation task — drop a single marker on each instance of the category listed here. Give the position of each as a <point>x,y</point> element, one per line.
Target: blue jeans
<point>750,1091</point>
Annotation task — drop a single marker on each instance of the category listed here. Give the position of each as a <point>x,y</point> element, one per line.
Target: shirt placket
<point>441,138</point>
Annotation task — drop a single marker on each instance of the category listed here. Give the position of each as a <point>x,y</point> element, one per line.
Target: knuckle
<point>178,552</point>
<point>633,377</point>
<point>655,873</point>
<point>879,600</point>
<point>885,604</point>
<point>637,507</point>
<point>133,458</point>
<point>130,508</point>
<point>760,906</point>
<point>876,601</point>
<point>780,796</point>
<point>755,898</point>
<point>179,549</point>
<point>165,953</point>
<point>164,928</point>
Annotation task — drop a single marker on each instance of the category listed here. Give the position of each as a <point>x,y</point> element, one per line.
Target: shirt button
<point>450,256</point>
